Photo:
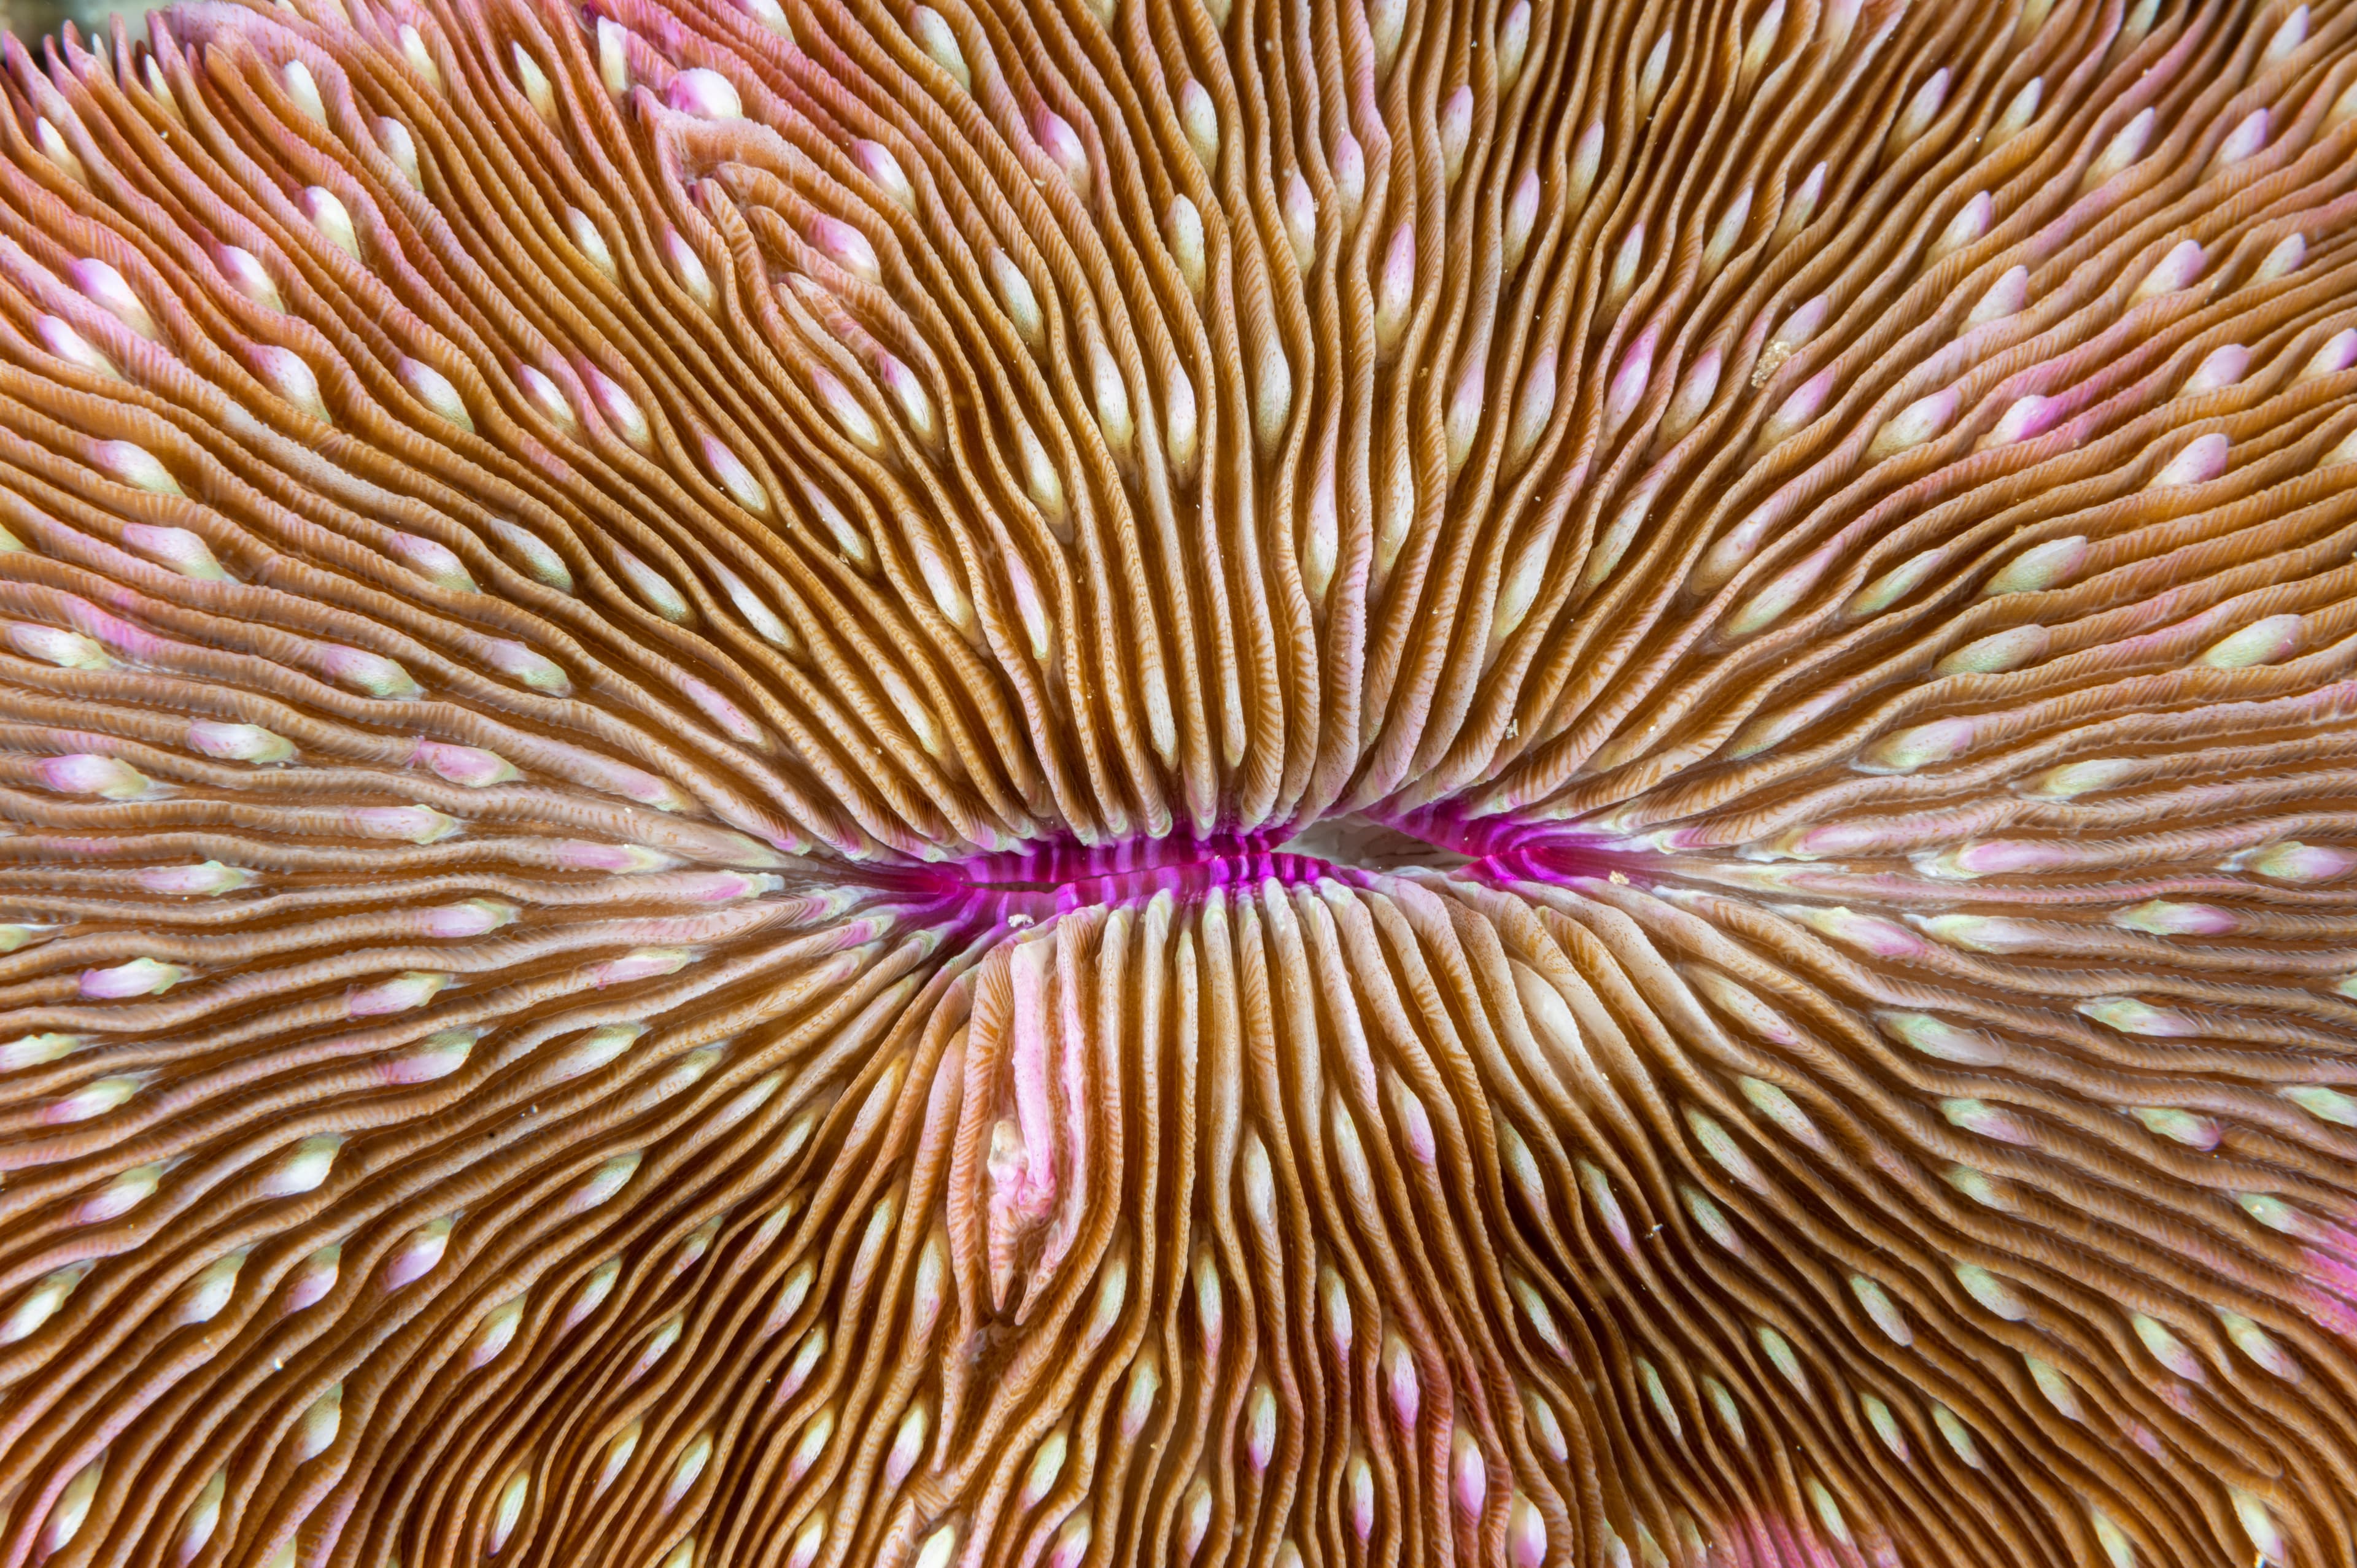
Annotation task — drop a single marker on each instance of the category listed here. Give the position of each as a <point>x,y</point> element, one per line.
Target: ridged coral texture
<point>1179,784</point>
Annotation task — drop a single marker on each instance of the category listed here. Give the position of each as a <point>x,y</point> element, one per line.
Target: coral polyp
<point>1179,782</point>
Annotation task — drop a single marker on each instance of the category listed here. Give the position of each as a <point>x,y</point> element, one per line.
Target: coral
<point>1179,782</point>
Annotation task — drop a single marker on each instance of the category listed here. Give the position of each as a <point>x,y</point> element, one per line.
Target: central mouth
<point>1053,879</point>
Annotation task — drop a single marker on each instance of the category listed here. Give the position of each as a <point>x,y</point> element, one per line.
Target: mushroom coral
<point>1099,782</point>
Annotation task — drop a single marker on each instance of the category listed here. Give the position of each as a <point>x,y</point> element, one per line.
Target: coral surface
<point>1117,783</point>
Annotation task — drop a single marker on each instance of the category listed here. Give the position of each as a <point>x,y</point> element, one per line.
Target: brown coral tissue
<point>1179,784</point>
